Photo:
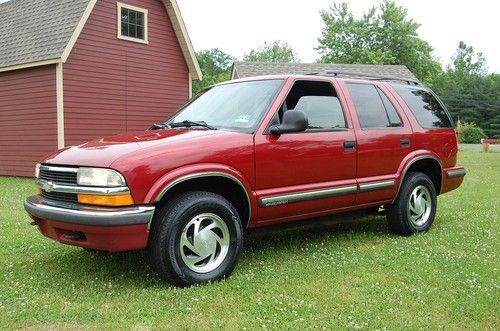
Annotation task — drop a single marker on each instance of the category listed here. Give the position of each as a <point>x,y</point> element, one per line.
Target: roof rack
<point>365,76</point>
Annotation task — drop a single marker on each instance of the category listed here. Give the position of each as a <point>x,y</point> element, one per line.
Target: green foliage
<point>275,51</point>
<point>466,62</point>
<point>468,93</point>
<point>215,66</point>
<point>333,276</point>
<point>384,35</point>
<point>470,133</point>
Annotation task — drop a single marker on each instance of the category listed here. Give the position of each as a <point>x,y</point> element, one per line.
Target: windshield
<point>237,106</point>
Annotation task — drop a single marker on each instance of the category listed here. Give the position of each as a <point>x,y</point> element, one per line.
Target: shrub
<point>470,133</point>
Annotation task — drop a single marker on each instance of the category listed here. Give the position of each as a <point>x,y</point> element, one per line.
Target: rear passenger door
<point>384,138</point>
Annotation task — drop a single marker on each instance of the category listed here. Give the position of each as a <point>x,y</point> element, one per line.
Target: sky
<point>237,26</point>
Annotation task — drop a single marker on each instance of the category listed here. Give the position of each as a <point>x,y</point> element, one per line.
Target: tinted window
<point>370,108</point>
<point>425,107</point>
<point>392,113</point>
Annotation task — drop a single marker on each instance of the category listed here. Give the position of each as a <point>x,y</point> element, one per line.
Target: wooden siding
<point>113,85</point>
<point>28,119</point>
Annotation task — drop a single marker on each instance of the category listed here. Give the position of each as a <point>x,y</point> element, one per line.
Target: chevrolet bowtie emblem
<point>47,186</point>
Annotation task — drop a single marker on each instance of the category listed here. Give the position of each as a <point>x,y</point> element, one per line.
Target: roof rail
<point>365,76</point>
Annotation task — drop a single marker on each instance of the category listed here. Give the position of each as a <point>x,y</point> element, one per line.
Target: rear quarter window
<point>425,107</point>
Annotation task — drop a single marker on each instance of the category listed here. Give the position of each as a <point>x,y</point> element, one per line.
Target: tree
<point>468,92</point>
<point>467,62</point>
<point>384,35</point>
<point>215,66</point>
<point>275,51</point>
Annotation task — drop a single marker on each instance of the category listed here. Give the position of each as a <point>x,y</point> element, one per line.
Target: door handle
<point>349,145</point>
<point>405,142</point>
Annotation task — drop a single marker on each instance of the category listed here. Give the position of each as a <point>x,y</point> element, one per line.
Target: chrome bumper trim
<point>49,186</point>
<point>88,215</point>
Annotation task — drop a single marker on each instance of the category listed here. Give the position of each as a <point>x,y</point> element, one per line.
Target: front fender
<point>176,176</point>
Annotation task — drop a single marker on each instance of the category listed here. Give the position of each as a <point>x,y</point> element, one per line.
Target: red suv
<point>250,153</point>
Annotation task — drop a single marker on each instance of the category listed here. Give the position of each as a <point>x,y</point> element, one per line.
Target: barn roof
<point>251,69</point>
<point>39,32</point>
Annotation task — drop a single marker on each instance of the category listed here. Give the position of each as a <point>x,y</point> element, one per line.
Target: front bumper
<point>108,229</point>
<point>86,215</point>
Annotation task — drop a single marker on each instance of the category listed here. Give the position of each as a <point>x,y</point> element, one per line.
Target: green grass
<point>352,275</point>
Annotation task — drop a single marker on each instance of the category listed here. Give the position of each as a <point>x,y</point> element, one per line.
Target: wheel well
<point>431,168</point>
<point>222,186</point>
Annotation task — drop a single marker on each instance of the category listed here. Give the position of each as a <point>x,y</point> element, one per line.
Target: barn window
<point>132,23</point>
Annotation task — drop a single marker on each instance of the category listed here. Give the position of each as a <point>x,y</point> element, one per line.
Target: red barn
<point>74,70</point>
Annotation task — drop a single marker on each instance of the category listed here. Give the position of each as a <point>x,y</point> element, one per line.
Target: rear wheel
<point>195,238</point>
<point>414,209</point>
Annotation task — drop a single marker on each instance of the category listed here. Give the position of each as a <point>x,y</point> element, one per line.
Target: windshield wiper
<point>188,124</point>
<point>158,126</point>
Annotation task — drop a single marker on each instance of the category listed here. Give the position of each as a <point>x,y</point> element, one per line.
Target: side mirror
<point>293,121</point>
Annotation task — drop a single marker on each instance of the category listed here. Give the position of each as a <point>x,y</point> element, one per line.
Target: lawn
<point>352,275</point>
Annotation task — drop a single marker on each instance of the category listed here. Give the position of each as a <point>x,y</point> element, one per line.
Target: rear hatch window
<point>426,108</point>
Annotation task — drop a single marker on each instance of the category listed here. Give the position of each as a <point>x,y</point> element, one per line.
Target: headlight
<point>37,170</point>
<point>99,177</point>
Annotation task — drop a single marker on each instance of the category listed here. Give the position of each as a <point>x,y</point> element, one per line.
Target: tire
<point>414,209</point>
<point>195,238</point>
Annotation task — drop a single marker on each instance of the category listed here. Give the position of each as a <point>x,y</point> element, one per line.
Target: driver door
<point>307,173</point>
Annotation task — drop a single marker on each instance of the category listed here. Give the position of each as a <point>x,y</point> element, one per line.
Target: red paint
<point>113,85</point>
<point>111,239</point>
<point>451,183</point>
<point>28,124</point>
<point>268,165</point>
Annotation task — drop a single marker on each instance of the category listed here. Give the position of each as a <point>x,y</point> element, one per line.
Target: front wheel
<point>414,209</point>
<point>195,238</point>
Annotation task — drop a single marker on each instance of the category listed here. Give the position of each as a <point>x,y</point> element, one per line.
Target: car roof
<point>315,76</point>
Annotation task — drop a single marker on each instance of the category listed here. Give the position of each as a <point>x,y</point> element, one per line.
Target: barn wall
<point>28,116</point>
<point>112,85</point>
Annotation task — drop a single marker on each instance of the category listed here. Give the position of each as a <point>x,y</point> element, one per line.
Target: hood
<point>103,152</point>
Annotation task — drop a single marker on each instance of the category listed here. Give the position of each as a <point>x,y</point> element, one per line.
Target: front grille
<point>58,177</point>
<point>60,197</point>
<point>61,176</point>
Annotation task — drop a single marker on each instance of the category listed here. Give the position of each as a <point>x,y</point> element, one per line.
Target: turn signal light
<point>106,200</point>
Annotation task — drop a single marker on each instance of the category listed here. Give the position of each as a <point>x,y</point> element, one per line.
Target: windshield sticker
<point>243,119</point>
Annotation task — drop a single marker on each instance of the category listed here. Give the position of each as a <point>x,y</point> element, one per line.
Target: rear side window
<point>373,108</point>
<point>424,106</point>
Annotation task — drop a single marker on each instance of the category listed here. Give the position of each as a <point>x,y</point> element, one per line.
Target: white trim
<point>119,6</point>
<point>190,80</point>
<point>180,30</point>
<point>234,73</point>
<point>60,105</point>
<point>30,65</point>
<point>78,30</point>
